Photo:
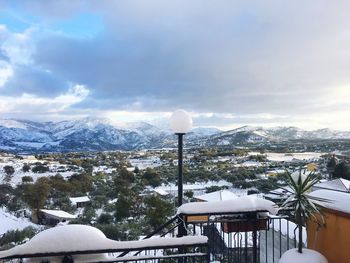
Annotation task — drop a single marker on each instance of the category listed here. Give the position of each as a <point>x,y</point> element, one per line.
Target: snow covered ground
<point>289,157</point>
<point>11,222</point>
<point>17,164</point>
<point>248,164</point>
<point>17,176</point>
<point>104,169</point>
<point>199,188</point>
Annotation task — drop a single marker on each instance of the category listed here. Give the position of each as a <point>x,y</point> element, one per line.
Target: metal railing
<point>251,237</point>
<point>238,237</point>
<point>246,240</point>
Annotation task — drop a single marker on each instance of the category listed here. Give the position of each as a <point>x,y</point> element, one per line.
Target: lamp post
<point>180,123</point>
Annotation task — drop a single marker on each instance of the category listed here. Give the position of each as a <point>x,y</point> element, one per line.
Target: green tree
<point>331,163</point>
<point>157,211</point>
<point>123,206</point>
<point>9,170</point>
<point>88,215</point>
<point>81,183</point>
<point>25,168</point>
<point>342,170</point>
<point>129,177</point>
<point>40,168</point>
<point>5,194</point>
<point>152,177</point>
<point>189,194</point>
<point>105,219</point>
<point>123,180</point>
<point>35,195</point>
<point>17,236</point>
<point>136,170</point>
<point>27,179</point>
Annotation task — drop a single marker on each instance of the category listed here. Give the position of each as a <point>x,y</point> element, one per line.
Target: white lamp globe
<point>180,121</point>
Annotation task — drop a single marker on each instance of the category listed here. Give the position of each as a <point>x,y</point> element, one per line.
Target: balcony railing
<point>234,239</point>
<point>253,236</point>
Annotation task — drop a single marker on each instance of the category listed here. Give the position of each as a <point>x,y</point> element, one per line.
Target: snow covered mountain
<point>87,134</point>
<point>252,134</point>
<point>91,134</point>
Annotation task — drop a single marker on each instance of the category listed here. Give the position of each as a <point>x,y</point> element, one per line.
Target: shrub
<point>40,168</point>
<point>9,170</point>
<point>25,167</point>
<point>27,179</point>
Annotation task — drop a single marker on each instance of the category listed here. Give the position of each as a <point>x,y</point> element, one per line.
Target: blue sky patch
<point>83,25</point>
<point>15,21</point>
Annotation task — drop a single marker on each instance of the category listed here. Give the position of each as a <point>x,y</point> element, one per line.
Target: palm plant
<point>303,206</point>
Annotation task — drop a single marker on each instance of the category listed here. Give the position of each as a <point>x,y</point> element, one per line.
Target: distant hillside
<point>91,134</point>
<point>251,134</point>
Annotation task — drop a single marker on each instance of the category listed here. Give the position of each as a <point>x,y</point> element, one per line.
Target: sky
<point>228,63</point>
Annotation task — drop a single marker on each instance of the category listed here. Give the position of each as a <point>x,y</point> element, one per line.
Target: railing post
<point>181,233</point>
<point>255,247</point>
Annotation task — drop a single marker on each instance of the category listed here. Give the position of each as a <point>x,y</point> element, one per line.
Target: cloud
<point>256,62</point>
<point>48,10</point>
<point>235,62</point>
<point>35,81</point>
<point>18,47</point>
<point>38,107</point>
<point>6,72</point>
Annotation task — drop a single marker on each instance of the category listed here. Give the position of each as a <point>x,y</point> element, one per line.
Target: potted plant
<point>303,208</point>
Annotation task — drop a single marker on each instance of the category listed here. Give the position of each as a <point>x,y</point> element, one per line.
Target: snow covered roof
<point>278,193</point>
<point>161,191</point>
<point>217,196</point>
<point>281,190</point>
<point>58,214</point>
<point>113,201</point>
<point>82,238</point>
<point>276,171</point>
<point>239,204</point>
<point>80,199</point>
<point>336,184</point>
<point>337,200</point>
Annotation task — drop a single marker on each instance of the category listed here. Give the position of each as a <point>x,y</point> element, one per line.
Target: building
<point>80,201</point>
<point>338,184</point>
<point>332,240</point>
<point>53,217</point>
<point>216,196</point>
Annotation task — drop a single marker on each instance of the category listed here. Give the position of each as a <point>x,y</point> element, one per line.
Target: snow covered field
<point>11,222</point>
<point>199,188</point>
<point>289,157</point>
<point>17,164</point>
<point>17,176</point>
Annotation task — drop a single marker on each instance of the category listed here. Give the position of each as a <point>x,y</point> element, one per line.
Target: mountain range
<point>91,134</point>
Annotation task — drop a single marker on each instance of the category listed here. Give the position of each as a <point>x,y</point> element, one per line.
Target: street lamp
<point>180,123</point>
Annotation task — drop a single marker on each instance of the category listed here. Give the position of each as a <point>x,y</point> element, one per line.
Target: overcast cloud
<point>227,62</point>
